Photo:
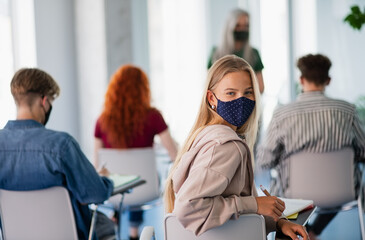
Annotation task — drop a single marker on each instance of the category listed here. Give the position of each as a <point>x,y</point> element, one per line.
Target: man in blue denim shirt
<point>33,157</point>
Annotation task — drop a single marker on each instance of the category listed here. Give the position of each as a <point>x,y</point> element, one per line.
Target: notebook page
<point>295,205</point>
<point>120,179</point>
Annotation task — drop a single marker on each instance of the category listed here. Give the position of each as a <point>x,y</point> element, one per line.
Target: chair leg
<point>361,217</point>
<point>93,220</point>
<point>119,227</point>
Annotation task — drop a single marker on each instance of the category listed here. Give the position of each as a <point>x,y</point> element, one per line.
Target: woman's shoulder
<point>154,113</point>
<point>258,65</point>
<point>155,121</point>
<point>219,148</point>
<point>254,49</point>
<point>217,133</point>
<point>220,132</point>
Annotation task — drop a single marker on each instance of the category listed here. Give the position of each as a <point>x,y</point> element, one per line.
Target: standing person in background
<point>235,40</point>
<point>129,121</point>
<point>212,178</point>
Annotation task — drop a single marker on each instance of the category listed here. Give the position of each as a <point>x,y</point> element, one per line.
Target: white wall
<point>305,27</point>
<point>126,33</point>
<point>23,33</point>
<point>140,34</point>
<point>344,46</point>
<point>217,13</point>
<point>7,106</point>
<point>92,76</point>
<point>275,55</point>
<point>56,54</point>
<point>179,57</point>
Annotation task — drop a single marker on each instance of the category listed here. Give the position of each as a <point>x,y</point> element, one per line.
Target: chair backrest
<point>326,178</point>
<point>247,227</point>
<point>137,161</point>
<point>39,214</point>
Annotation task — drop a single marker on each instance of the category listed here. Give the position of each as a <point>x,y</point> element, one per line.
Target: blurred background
<point>82,42</point>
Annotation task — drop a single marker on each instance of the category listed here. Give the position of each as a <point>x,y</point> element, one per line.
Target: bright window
<point>178,61</point>
<point>275,55</point>
<point>7,106</point>
<point>17,48</point>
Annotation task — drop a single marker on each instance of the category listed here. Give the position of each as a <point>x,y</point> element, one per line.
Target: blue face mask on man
<point>235,112</point>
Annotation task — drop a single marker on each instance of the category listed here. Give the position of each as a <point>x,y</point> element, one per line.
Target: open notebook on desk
<point>123,183</point>
<point>293,206</point>
<point>120,179</point>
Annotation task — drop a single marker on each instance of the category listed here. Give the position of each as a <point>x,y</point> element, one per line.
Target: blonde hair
<point>227,42</point>
<point>207,116</point>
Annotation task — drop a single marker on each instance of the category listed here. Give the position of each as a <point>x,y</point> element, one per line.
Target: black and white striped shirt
<point>313,123</point>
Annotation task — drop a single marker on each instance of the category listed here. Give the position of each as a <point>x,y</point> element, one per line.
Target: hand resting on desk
<point>274,207</point>
<point>292,229</point>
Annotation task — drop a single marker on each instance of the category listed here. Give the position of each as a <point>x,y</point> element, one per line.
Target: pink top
<point>214,181</point>
<point>154,124</point>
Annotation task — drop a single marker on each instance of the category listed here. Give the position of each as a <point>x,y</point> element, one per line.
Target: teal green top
<point>256,64</point>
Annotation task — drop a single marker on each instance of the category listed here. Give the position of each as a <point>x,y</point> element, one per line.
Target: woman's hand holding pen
<point>273,205</point>
<point>270,206</point>
<point>288,228</point>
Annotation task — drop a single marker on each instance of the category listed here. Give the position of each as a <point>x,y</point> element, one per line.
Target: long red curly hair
<point>127,101</point>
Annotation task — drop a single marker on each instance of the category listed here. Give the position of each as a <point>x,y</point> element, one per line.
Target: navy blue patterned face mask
<point>235,112</point>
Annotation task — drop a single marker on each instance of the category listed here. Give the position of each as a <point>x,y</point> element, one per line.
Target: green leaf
<point>355,10</point>
<point>356,18</point>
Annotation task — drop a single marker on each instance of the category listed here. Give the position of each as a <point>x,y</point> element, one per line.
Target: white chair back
<point>137,161</point>
<point>325,178</point>
<point>39,214</point>
<point>247,227</point>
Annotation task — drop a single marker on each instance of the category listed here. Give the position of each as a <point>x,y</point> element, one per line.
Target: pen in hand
<point>265,191</point>
<point>102,165</point>
<point>103,171</point>
<point>269,195</point>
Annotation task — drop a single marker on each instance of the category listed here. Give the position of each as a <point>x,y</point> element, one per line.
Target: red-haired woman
<point>129,121</point>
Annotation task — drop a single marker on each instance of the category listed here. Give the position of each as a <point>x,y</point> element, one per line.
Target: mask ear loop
<point>44,102</point>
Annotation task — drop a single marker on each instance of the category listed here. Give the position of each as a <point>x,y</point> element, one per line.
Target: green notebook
<point>120,180</point>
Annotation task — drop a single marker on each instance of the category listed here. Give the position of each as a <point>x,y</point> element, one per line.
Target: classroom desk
<point>128,186</point>
<point>125,188</point>
<point>302,219</point>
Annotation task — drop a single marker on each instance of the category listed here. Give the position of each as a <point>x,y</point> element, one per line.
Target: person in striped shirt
<point>312,123</point>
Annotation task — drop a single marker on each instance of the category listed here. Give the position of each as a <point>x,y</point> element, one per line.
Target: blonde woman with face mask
<point>212,178</point>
